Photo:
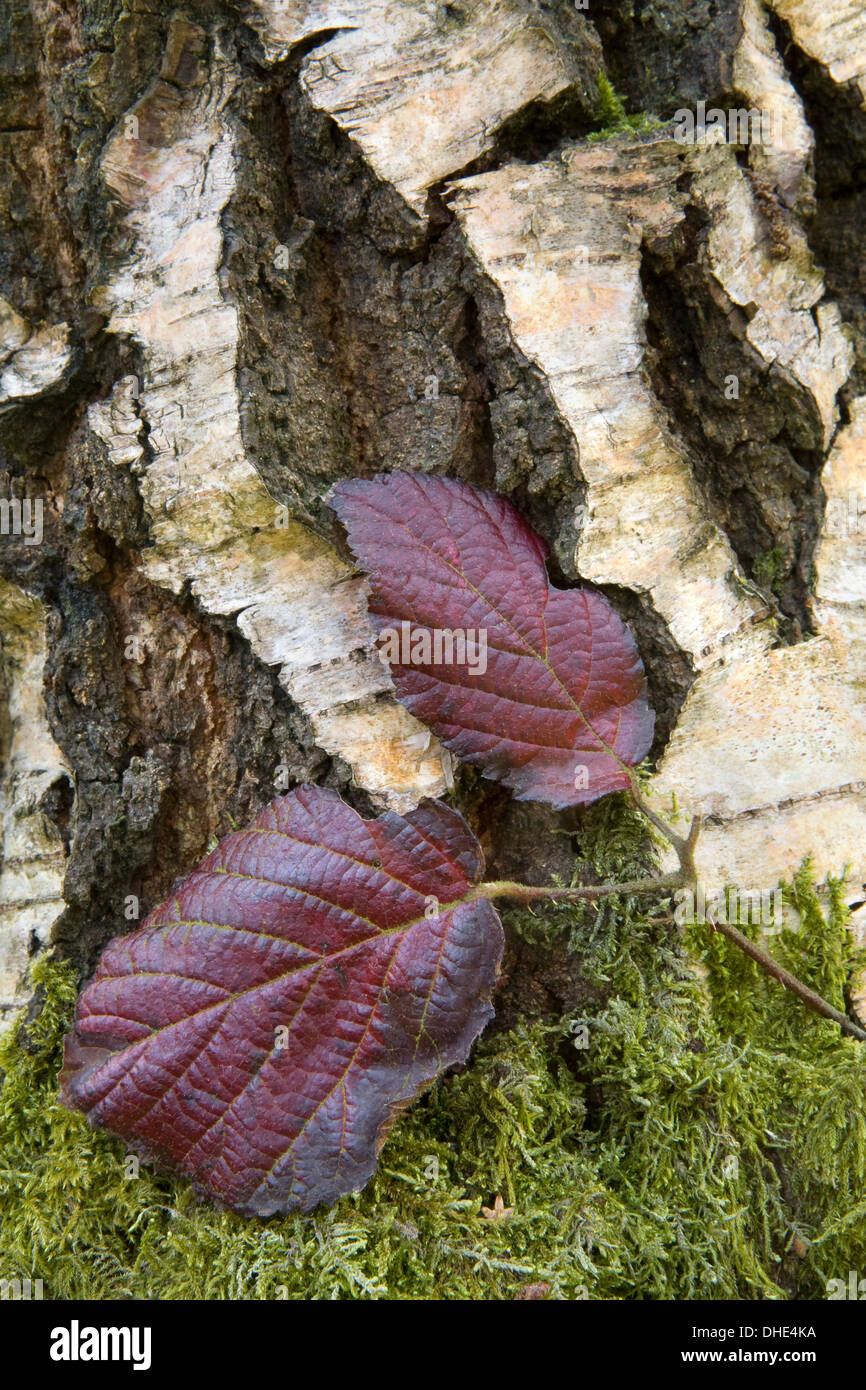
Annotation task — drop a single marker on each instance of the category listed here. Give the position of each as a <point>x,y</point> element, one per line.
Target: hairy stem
<point>525,892</point>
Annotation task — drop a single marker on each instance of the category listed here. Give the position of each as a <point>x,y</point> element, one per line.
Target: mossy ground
<point>708,1142</point>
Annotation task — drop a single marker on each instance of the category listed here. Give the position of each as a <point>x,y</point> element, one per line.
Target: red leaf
<point>261,1029</point>
<point>561,710</point>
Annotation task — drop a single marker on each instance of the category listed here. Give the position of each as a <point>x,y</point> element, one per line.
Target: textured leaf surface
<point>261,1028</point>
<point>561,711</point>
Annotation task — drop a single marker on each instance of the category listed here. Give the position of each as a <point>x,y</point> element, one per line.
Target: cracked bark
<point>252,249</point>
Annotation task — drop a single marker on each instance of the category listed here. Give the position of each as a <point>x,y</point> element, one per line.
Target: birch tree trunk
<point>251,249</point>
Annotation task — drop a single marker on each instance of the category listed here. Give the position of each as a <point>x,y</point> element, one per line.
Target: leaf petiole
<point>525,892</point>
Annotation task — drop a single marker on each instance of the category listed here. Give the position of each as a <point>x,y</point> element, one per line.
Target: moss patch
<point>769,570</point>
<point>707,1141</point>
<point>613,117</point>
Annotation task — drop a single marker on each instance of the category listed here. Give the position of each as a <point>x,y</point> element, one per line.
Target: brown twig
<point>685,848</point>
<point>809,997</point>
<point>685,877</point>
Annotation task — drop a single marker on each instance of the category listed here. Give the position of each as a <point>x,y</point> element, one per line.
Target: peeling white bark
<point>833,32</point>
<point>213,523</point>
<point>33,855</point>
<point>422,95</point>
<point>14,330</point>
<point>575,307</point>
<point>760,74</point>
<point>772,751</point>
<point>31,360</point>
<point>281,24</point>
<point>790,325</point>
<point>840,556</point>
<point>771,744</point>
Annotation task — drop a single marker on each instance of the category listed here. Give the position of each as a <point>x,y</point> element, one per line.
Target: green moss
<point>709,1141</point>
<point>613,117</point>
<point>769,570</point>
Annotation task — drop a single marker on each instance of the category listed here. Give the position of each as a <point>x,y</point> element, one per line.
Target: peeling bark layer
<point>33,853</point>
<point>213,523</point>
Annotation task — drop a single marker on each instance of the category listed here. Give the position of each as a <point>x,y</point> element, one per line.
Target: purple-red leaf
<point>261,1029</point>
<point>559,712</point>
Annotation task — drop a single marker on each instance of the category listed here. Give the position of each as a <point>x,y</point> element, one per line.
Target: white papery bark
<point>213,523</point>
<point>33,854</point>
